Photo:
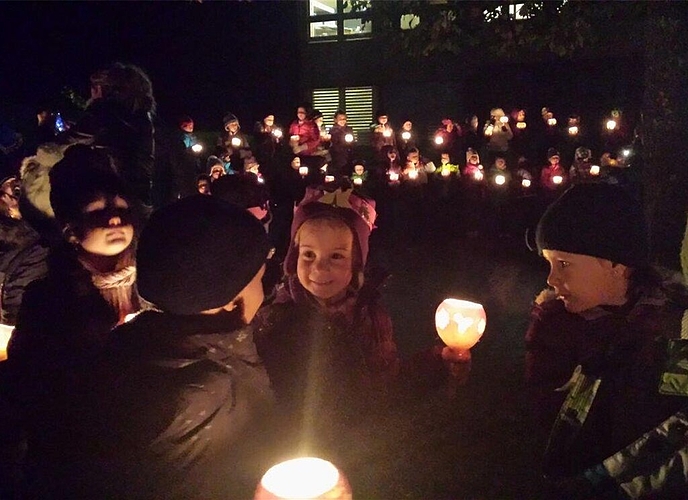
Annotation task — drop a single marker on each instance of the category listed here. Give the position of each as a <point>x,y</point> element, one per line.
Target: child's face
<point>392,155</point>
<point>444,158</point>
<point>382,120</point>
<point>296,162</point>
<point>340,120</point>
<point>217,172</point>
<point>554,160</point>
<point>108,231</point>
<point>500,163</point>
<point>188,127</point>
<point>407,125</point>
<point>232,127</point>
<point>358,169</point>
<point>325,262</point>
<point>582,282</point>
<point>203,187</point>
<point>269,120</point>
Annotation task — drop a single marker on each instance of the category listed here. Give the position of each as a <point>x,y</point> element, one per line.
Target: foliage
<point>561,28</point>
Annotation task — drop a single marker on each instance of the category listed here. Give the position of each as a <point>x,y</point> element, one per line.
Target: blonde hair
<point>333,221</point>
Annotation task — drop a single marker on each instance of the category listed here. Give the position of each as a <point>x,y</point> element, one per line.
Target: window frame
<point>339,17</point>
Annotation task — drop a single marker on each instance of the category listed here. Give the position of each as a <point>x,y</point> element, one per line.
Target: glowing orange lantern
<point>306,478</point>
<point>5,335</point>
<point>595,170</point>
<point>460,324</point>
<point>551,122</point>
<point>521,125</point>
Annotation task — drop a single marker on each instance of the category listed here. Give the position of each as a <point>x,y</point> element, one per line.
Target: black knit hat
<point>242,189</point>
<point>198,254</point>
<point>600,220</point>
<point>229,118</point>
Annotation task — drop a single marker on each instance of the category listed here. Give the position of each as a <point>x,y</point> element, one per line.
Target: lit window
<point>515,12</point>
<point>356,102</point>
<point>336,19</point>
<point>409,21</point>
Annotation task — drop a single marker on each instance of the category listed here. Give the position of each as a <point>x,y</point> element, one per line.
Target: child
<point>473,194</point>
<point>553,177</point>
<point>605,320</point>
<point>382,133</point>
<point>232,145</point>
<point>342,145</point>
<point>203,184</point>
<point>499,190</point>
<point>170,407</point>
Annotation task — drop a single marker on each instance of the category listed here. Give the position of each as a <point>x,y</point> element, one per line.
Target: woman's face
<point>325,262</point>
<point>108,229</point>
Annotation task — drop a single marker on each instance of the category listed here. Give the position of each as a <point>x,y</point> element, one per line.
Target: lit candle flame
<point>500,179</point>
<point>551,122</point>
<point>196,148</point>
<point>573,130</point>
<point>406,135</point>
<point>557,179</point>
<point>595,170</point>
<point>236,142</point>
<point>525,183</point>
<point>521,125</point>
<point>349,138</point>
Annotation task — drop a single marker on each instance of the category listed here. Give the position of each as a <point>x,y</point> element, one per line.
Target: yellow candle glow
<point>595,170</point>
<point>306,478</point>
<point>358,181</point>
<point>393,176</point>
<point>303,171</point>
<point>478,175</point>
<point>504,119</point>
<point>277,133</point>
<point>349,138</point>
<point>445,172</point>
<point>413,174</point>
<point>573,130</point>
<point>406,135</point>
<point>5,334</point>
<point>521,125</point>
<point>525,183</point>
<point>196,148</point>
<point>557,179</point>
<point>387,133</point>
<point>236,142</point>
<point>611,124</point>
<point>460,323</point>
<point>500,180</point>
<point>329,178</point>
<point>439,139</point>
<point>489,129</point>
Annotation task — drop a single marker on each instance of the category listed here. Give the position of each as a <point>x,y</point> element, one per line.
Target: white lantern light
<point>557,179</point>
<point>413,174</point>
<point>277,133</point>
<point>489,130</point>
<point>521,125</point>
<point>406,135</point>
<point>393,176</point>
<point>387,133</point>
<point>303,171</point>
<point>439,139</point>
<point>525,183</point>
<point>445,172</point>
<point>294,138</point>
<point>349,138</point>
<point>573,130</point>
<point>306,478</point>
<point>626,152</point>
<point>595,170</point>
<point>500,180</point>
<point>5,335</point>
<point>236,142</point>
<point>478,175</point>
<point>460,323</point>
<point>611,125</point>
<point>551,122</point>
<point>358,181</point>
<point>197,148</point>
<point>504,119</point>
<point>329,178</point>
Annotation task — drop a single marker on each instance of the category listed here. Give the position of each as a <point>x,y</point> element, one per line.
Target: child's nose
<point>115,220</point>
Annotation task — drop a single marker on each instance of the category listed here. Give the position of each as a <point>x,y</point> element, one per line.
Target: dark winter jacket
<point>340,150</point>
<point>624,348</point>
<point>127,137</point>
<point>171,408</point>
<point>185,165</point>
<point>22,260</point>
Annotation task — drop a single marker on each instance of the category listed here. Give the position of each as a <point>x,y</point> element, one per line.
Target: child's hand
<point>458,364</point>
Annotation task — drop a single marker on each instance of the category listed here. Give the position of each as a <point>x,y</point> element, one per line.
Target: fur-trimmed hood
<point>35,176</point>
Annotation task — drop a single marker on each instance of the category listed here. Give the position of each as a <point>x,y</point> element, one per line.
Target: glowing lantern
<point>5,334</point>
<point>294,138</point>
<point>406,135</point>
<point>303,171</point>
<point>329,178</point>
<point>413,174</point>
<point>445,172</point>
<point>500,180</point>
<point>349,138</point>
<point>393,176</point>
<point>595,170</point>
<point>277,133</point>
<point>521,125</point>
<point>489,130</point>
<point>611,125</point>
<point>551,122</point>
<point>306,478</point>
<point>439,139</point>
<point>261,179</point>
<point>236,142</point>
<point>573,130</point>
<point>525,183</point>
<point>358,181</point>
<point>196,148</point>
<point>460,324</point>
<point>387,133</point>
<point>557,179</point>
<point>323,169</point>
<point>626,152</point>
<point>504,119</point>
<point>478,175</point>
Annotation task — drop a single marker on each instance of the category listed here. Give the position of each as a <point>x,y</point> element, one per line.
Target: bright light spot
<point>406,135</point>
<point>478,175</point>
<point>573,130</point>
<point>551,122</point>
<point>446,172</point>
<point>305,478</point>
<point>611,124</point>
<point>358,181</point>
<point>303,171</point>
<point>500,180</point>
<point>408,21</point>
<point>236,142</point>
<point>5,334</point>
<point>626,152</point>
<point>557,179</point>
<point>387,133</point>
<point>413,174</point>
<point>277,133</point>
<point>525,183</point>
<point>439,139</point>
<point>504,119</point>
<point>393,176</point>
<point>595,170</point>
<point>521,125</point>
<point>329,178</point>
<point>349,138</point>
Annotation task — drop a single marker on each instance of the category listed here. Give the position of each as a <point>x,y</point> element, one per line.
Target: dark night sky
<point>204,58</point>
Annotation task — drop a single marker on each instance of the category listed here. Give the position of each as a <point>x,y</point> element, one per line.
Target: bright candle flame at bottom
<point>595,170</point>
<point>301,478</point>
<point>557,179</point>
<point>525,183</point>
<point>5,334</point>
<point>500,180</point>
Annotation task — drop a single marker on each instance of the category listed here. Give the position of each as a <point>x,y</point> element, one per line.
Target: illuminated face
<point>520,115</point>
<point>296,162</point>
<point>301,114</point>
<point>106,234</point>
<point>412,157</point>
<point>358,169</point>
<point>217,172</point>
<point>319,121</point>
<point>444,158</point>
<point>474,122</point>
<point>392,155</point>
<point>500,163</point>
<point>269,120</point>
<point>203,187</point>
<point>407,125</point>
<point>582,282</point>
<point>382,120</point>
<point>188,126</point>
<point>325,262</point>
<point>232,127</point>
<point>554,160</point>
<point>340,120</point>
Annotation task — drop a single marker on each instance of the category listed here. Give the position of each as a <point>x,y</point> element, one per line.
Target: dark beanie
<point>83,174</point>
<point>229,118</point>
<point>198,254</point>
<point>242,189</point>
<point>600,220</point>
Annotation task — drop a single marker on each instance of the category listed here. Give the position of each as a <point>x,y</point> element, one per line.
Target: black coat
<point>171,409</point>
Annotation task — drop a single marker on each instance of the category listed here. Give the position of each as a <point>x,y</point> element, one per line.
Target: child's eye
<point>337,256</point>
<point>564,263</point>
<point>308,254</point>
